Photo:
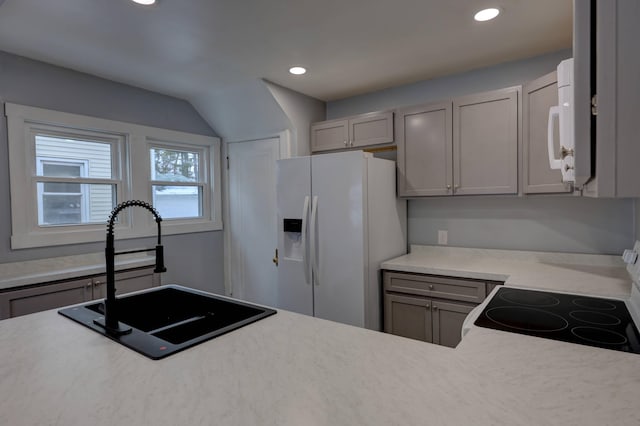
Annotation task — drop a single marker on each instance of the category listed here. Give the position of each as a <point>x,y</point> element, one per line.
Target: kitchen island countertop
<point>290,369</point>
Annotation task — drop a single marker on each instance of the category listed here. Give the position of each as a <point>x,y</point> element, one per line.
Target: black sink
<point>171,318</point>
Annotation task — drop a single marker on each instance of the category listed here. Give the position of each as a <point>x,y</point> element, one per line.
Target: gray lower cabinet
<point>42,297</point>
<point>430,308</point>
<point>424,319</point>
<point>465,146</point>
<point>354,132</point>
<point>537,177</point>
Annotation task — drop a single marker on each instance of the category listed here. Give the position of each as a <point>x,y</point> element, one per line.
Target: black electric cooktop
<point>592,321</point>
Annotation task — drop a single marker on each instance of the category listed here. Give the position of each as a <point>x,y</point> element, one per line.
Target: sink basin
<point>171,318</point>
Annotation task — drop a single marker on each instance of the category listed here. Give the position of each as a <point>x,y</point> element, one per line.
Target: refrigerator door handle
<point>314,255</point>
<point>305,251</point>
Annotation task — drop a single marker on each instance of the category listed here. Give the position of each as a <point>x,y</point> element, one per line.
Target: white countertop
<point>599,275</point>
<point>290,369</point>
<point>29,272</point>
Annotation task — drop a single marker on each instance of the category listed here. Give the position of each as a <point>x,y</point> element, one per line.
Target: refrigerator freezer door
<point>338,183</point>
<point>294,187</point>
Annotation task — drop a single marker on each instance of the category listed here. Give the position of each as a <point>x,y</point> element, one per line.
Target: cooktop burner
<point>591,321</point>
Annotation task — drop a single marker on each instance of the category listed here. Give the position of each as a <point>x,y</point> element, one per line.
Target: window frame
<point>130,175</point>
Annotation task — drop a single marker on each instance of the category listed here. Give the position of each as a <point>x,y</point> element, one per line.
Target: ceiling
<point>186,47</point>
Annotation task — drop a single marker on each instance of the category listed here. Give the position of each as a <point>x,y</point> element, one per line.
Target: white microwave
<point>563,114</point>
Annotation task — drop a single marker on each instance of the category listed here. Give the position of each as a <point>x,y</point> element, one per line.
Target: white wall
<point>564,223</point>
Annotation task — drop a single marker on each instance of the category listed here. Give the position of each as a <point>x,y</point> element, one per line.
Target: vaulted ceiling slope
<point>197,48</point>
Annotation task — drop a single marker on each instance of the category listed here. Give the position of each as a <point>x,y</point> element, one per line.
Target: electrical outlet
<point>442,238</point>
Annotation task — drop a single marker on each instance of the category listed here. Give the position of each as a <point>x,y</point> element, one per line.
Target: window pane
<point>62,157</point>
<point>60,209</point>
<point>67,203</point>
<point>177,201</point>
<point>61,170</point>
<point>174,166</point>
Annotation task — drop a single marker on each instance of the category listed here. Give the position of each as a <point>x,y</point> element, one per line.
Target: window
<point>177,182</point>
<point>76,178</point>
<point>69,171</point>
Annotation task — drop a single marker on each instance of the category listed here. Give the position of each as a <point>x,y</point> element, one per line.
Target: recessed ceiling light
<point>486,14</point>
<point>144,2</point>
<point>297,70</point>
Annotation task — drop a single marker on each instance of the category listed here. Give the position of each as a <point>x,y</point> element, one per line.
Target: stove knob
<point>630,257</point>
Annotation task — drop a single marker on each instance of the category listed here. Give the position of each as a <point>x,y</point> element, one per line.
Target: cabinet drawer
<point>445,288</point>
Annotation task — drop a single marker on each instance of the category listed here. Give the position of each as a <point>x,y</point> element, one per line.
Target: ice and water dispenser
<point>293,244</point>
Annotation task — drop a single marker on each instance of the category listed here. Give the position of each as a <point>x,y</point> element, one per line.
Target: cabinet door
<point>126,282</point>
<point>35,299</point>
<point>447,322</point>
<point>425,150</point>
<point>485,143</point>
<point>408,317</point>
<point>330,135</point>
<point>537,177</point>
<point>371,129</point>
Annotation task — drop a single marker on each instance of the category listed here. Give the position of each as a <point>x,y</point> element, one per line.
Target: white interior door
<point>253,219</point>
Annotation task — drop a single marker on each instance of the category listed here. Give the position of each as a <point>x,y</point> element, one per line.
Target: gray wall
<point>242,112</point>
<point>301,111</point>
<point>636,226</point>
<point>544,223</point>
<point>34,83</point>
<point>495,77</point>
<point>566,224</point>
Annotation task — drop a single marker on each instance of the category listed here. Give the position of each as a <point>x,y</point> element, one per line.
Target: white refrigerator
<point>338,219</point>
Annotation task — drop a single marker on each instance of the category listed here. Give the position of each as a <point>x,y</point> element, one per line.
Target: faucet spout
<point>111,322</point>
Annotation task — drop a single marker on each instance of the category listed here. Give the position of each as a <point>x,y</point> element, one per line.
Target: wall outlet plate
<point>443,237</point>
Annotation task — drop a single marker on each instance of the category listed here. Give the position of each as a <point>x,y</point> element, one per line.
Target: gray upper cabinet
<point>371,129</point>
<point>537,177</point>
<point>425,150</point>
<point>460,147</point>
<point>330,135</point>
<point>485,143</point>
<point>352,132</point>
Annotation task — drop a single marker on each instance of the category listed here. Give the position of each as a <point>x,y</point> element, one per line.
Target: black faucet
<point>111,323</point>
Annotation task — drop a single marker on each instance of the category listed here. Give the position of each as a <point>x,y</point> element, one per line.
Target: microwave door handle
<point>554,114</point>
<point>305,251</point>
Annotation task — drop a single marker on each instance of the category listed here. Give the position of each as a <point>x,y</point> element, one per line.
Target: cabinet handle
<point>448,186</point>
<point>430,286</point>
<point>97,283</point>
<point>88,285</point>
<point>435,308</point>
<point>345,143</point>
<point>427,306</point>
<point>351,143</point>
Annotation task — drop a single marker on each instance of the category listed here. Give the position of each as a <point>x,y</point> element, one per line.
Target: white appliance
<point>563,114</point>
<point>338,219</point>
